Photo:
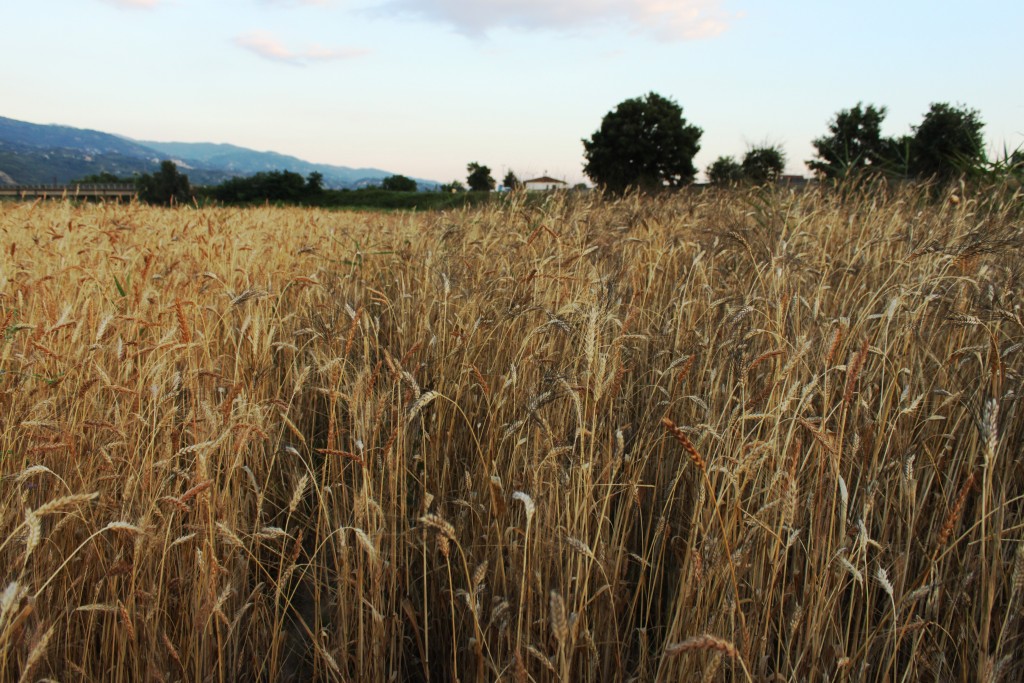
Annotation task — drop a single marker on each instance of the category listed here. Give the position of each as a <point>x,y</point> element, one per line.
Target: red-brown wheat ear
<point>681,437</point>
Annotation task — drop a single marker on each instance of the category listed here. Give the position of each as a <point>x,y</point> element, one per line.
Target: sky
<point>423,87</point>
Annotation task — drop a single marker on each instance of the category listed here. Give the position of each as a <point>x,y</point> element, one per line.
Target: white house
<point>544,183</point>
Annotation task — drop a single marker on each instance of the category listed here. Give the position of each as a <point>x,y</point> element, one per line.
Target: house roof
<point>546,179</point>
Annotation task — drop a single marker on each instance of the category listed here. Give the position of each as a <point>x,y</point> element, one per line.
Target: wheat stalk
<point>183,329</point>
<point>36,653</point>
<point>419,404</point>
<point>703,642</point>
<point>680,436</point>
<point>559,622</point>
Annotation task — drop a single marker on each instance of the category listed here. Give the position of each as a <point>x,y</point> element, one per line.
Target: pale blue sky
<point>422,87</point>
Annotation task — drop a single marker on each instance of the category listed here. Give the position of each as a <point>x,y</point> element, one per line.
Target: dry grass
<point>739,437</point>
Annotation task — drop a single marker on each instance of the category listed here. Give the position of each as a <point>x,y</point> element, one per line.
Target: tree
<point>511,181</point>
<point>1012,163</point>
<point>724,171</point>
<point>273,186</point>
<point>947,144</point>
<point>763,164</point>
<point>894,156</point>
<point>398,183</point>
<point>479,178</point>
<point>315,183</point>
<point>453,187</point>
<point>103,178</point>
<point>167,186</point>
<point>644,143</point>
<point>854,143</point>
<point>1015,159</point>
<point>1005,165</point>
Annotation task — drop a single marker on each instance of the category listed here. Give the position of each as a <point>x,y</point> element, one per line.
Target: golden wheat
<point>232,441</point>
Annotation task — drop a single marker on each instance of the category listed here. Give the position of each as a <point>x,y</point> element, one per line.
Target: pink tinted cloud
<point>668,20</point>
<point>265,45</point>
<point>691,20</point>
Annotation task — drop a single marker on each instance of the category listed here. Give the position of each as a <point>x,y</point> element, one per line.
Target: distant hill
<point>34,165</point>
<point>242,161</point>
<point>64,137</point>
<point>36,154</point>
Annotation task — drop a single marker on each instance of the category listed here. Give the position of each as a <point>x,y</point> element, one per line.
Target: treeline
<point>273,186</point>
<point>645,143</point>
<point>288,187</point>
<point>169,186</point>
<point>946,145</point>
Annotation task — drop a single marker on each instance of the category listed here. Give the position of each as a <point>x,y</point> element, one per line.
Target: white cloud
<point>133,4</point>
<point>293,3</point>
<point>665,19</point>
<point>317,53</point>
<point>265,45</point>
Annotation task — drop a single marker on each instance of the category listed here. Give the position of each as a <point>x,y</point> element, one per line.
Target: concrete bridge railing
<point>84,190</point>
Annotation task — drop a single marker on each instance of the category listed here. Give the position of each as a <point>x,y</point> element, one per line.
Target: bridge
<point>75,191</point>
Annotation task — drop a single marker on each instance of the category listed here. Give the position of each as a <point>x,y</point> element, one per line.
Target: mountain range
<point>32,154</point>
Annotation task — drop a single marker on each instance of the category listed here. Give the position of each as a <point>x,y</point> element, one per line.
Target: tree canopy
<point>644,143</point>
<point>760,165</point>
<point>102,178</point>
<point>398,183</point>
<point>167,186</point>
<point>853,145</point>
<point>453,186</point>
<point>947,144</point>
<point>724,170</point>
<point>273,186</point>
<point>315,182</point>
<point>511,181</point>
<point>479,178</point>
<point>763,164</point>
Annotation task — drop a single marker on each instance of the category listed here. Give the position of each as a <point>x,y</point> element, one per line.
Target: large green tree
<point>479,178</point>
<point>724,171</point>
<point>315,183</point>
<point>398,183</point>
<point>102,178</point>
<point>167,186</point>
<point>644,143</point>
<point>947,144</point>
<point>763,164</point>
<point>853,145</point>
<point>274,186</point>
<point>511,182</point>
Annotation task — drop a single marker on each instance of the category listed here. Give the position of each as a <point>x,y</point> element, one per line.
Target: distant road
<point>82,191</point>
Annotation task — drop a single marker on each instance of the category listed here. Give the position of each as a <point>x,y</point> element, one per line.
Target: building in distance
<point>544,184</point>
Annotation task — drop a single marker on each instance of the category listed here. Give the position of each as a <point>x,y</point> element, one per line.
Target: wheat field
<point>742,436</point>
